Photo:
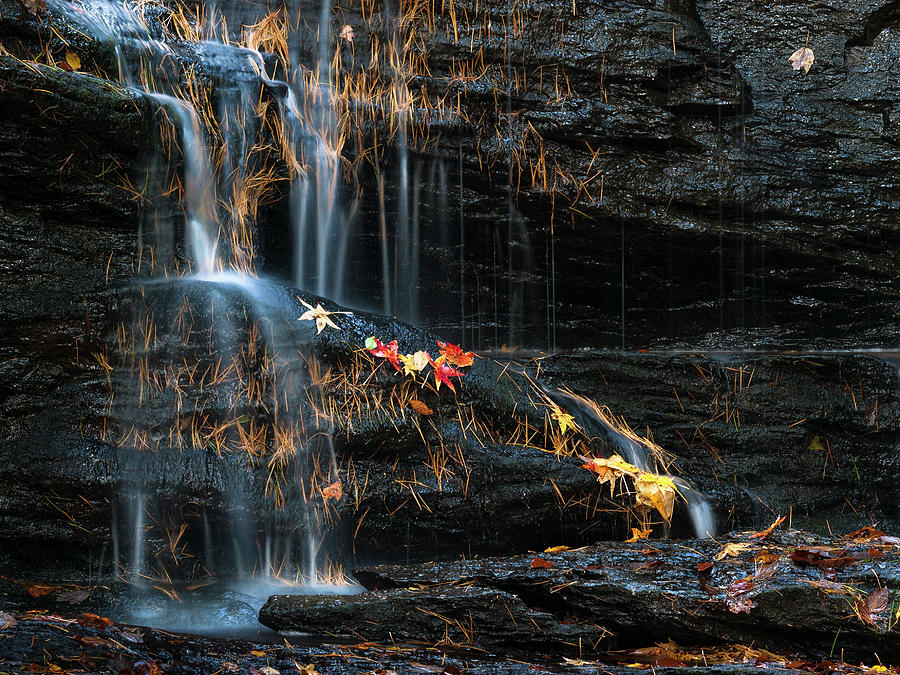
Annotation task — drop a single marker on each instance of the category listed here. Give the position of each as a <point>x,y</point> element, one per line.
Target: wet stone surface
<point>789,591</point>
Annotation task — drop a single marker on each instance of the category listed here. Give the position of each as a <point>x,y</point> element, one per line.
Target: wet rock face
<point>714,191</point>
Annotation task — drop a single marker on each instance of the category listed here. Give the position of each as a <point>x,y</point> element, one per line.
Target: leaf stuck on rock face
<point>802,58</point>
<point>334,491</point>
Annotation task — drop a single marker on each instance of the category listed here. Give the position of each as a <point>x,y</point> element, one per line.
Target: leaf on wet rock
<point>89,620</point>
<point>443,372</point>
<point>73,597</point>
<point>334,491</point>
<point>7,620</point>
<point>35,6</point>
<point>875,603</point>
<point>802,58</point>
<point>540,563</point>
<point>73,60</point>
<point>556,549</point>
<point>321,316</point>
<point>657,492</point>
<point>732,550</point>
<point>37,590</point>
<point>637,535</point>
<point>827,586</point>
<point>420,407</point>
<point>455,355</point>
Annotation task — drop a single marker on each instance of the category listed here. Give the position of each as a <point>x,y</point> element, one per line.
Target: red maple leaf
<point>387,351</point>
<point>443,372</point>
<point>455,355</point>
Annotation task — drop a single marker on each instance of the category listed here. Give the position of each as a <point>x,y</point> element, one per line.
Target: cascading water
<point>224,164</point>
<point>219,204</point>
<point>700,510</point>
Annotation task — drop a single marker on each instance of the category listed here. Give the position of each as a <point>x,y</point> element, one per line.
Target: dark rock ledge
<point>789,592</point>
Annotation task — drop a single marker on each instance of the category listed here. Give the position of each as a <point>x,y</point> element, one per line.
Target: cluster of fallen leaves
<point>446,366</point>
<point>828,559</point>
<point>669,654</point>
<point>652,491</point>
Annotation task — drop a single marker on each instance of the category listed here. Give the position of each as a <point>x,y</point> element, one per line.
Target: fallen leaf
<point>565,421</point>
<point>637,535</point>
<point>802,58</point>
<point>864,534</point>
<point>815,443</point>
<point>75,596</point>
<point>347,33</point>
<point>73,60</point>
<point>556,549</point>
<point>35,6</point>
<point>146,668</point>
<point>455,355</point>
<point>656,492</point>
<point>308,669</point>
<point>818,557</point>
<point>385,351</point>
<point>257,652</point>
<point>705,568</point>
<point>732,550</point>
<point>229,667</point>
<point>37,590</point>
<point>609,469</point>
<point>878,600</point>
<point>7,620</point>
<point>319,315</point>
<point>443,373</point>
<point>739,604</point>
<point>420,407</point>
<point>540,563</point>
<point>334,491</point>
<point>89,620</point>
<point>828,586</point>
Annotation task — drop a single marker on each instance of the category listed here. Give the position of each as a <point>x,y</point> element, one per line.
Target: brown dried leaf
<point>37,590</point>
<point>7,620</point>
<point>732,550</point>
<point>420,407</point>
<point>89,620</point>
<point>540,563</point>
<point>35,6</point>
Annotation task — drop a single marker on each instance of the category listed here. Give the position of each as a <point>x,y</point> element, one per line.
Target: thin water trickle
<point>700,510</point>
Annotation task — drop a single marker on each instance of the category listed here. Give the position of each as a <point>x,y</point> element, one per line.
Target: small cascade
<point>635,450</point>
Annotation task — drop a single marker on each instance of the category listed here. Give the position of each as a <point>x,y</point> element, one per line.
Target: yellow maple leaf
<point>565,421</point>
